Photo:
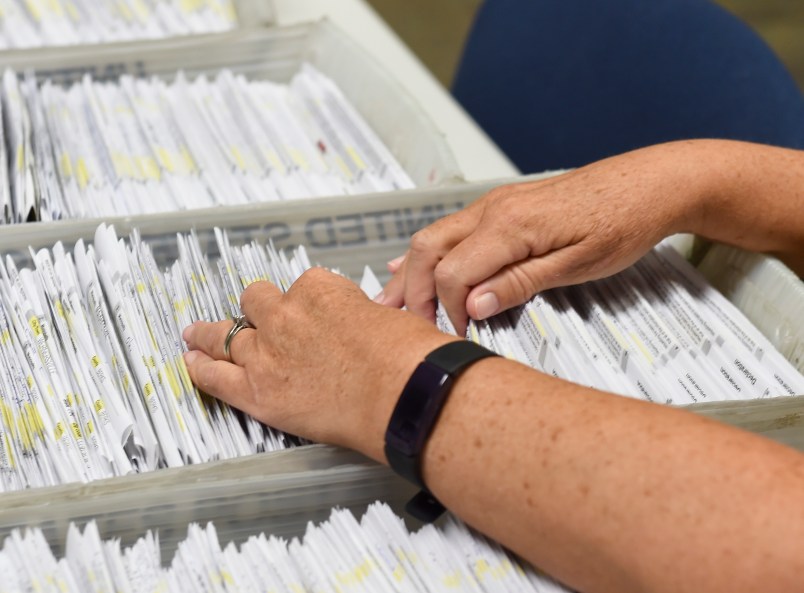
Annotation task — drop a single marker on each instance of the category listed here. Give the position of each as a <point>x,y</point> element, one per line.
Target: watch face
<point>418,408</point>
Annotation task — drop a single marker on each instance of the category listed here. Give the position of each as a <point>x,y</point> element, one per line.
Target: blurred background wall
<point>435,29</point>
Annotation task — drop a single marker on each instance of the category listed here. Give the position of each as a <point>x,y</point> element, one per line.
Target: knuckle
<point>509,211</point>
<point>493,194</point>
<point>251,295</point>
<point>318,273</point>
<point>314,275</point>
<point>500,193</point>
<point>421,241</point>
<point>445,273</point>
<point>504,216</point>
<point>317,284</point>
<point>521,286</point>
<point>300,284</point>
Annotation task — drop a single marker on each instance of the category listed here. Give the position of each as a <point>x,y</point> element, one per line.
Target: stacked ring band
<point>240,322</point>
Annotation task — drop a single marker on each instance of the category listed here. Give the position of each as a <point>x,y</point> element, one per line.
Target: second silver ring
<point>240,322</point>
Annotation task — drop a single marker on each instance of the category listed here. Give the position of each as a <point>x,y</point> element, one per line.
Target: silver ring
<point>240,322</point>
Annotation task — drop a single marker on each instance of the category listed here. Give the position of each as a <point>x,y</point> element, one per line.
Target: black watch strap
<point>454,357</point>
<point>417,412</point>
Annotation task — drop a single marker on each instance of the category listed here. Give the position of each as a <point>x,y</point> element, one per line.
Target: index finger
<point>427,248</point>
<point>479,257</point>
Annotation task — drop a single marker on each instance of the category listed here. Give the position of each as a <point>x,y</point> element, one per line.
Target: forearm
<point>613,494</point>
<point>750,196</point>
<point>604,492</point>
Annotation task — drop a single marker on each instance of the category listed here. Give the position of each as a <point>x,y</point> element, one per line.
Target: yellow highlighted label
<point>123,166</point>
<point>36,327</point>
<point>188,158</point>
<point>356,575</point>
<point>399,573</point>
<point>165,159</point>
<point>642,348</point>
<point>33,9</point>
<point>452,581</point>
<point>537,322</point>
<point>273,159</point>
<point>82,174</point>
<point>356,157</point>
<point>7,416</point>
<point>614,332</point>
<point>125,10</point>
<point>148,168</point>
<point>25,435</point>
<point>173,381</point>
<point>141,10</point>
<point>297,157</point>
<point>73,12</point>
<point>481,568</point>
<point>65,165</point>
<point>55,7</point>
<point>34,419</point>
<point>238,157</point>
<point>344,169</point>
<point>191,5</point>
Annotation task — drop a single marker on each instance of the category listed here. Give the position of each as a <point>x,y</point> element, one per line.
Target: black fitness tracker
<point>416,414</point>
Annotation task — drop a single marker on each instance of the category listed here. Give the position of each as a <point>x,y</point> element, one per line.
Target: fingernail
<point>187,334</point>
<point>380,298</point>
<point>486,305</point>
<point>394,264</point>
<point>190,357</point>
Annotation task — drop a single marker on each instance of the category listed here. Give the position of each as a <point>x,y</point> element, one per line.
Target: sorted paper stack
<point>657,331</point>
<point>377,553</point>
<point>94,383</point>
<point>95,386</point>
<point>36,23</point>
<point>137,146</point>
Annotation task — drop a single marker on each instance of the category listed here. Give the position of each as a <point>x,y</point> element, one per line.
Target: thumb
<point>517,283</point>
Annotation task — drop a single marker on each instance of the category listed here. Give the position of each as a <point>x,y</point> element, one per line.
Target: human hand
<point>324,362</point>
<point>520,239</point>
